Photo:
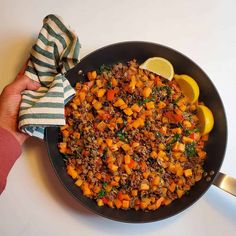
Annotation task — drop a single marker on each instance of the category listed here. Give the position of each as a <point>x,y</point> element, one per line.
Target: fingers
<point>22,84</point>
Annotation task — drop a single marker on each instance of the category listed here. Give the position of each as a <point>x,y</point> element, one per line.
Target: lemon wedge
<point>188,86</point>
<point>159,66</point>
<point>206,119</point>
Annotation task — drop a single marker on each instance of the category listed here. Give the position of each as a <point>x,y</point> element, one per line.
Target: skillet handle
<point>226,183</point>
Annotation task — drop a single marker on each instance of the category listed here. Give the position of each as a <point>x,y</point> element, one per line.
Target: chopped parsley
<point>142,102</point>
<point>176,138</point>
<point>190,150</point>
<point>103,68</point>
<point>159,135</point>
<point>187,132</point>
<point>104,155</point>
<point>102,193</point>
<point>109,84</point>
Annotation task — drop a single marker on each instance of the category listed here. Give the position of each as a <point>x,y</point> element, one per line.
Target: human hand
<point>10,99</point>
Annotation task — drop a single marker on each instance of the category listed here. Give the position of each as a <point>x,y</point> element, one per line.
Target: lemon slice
<point>188,86</point>
<point>206,119</point>
<point>159,66</point>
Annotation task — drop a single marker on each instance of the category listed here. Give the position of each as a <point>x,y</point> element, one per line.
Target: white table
<point>34,202</point>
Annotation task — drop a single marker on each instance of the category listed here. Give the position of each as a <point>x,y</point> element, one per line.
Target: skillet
<point>215,147</point>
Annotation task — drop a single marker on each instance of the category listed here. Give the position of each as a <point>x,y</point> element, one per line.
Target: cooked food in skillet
<point>133,139</point>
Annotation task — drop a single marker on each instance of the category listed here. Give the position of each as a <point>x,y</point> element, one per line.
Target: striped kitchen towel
<point>54,53</point>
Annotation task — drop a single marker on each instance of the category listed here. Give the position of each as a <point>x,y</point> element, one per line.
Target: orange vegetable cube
<point>177,130</point>
<point>128,111</point>
<point>96,104</point>
<point>123,106</point>
<point>125,147</point>
<point>146,92</point>
<point>92,75</point>
<point>187,139</point>
<point>109,142</point>
<point>172,187</point>
<point>163,130</point>
<point>62,147</point>
<point>76,135</point>
<point>183,107</point>
<point>79,182</point>
<point>139,84</point>
<point>156,181</point>
<point>101,126</point>
<point>118,203</point>
<point>150,105</point>
<point>127,159</point>
<point>114,183</point>
<point>202,154</point>
<point>99,83</point>
<point>187,124</point>
<point>100,202</point>
<point>126,197</point>
<point>188,172</point>
<point>135,144</point>
<point>146,175</point>
<point>117,178</point>
<point>65,133</point>
<point>72,172</point>
<point>120,102</point>
<point>153,154</point>
<point>180,193</point>
<point>161,154</point>
<point>133,82</point>
<point>144,186</point>
<point>82,96</point>
<point>158,202</point>
<point>179,171</point>
<point>167,202</point>
<point>101,92</point>
<point>110,94</point>
<point>134,192</point>
<point>138,123</point>
<point>161,105</point>
<point>161,146</point>
<point>127,169</point>
<point>114,82</point>
<point>112,167</point>
<point>125,204</point>
<point>178,147</point>
<point>136,108</point>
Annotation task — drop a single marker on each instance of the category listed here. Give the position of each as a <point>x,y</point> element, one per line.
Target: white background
<point>34,202</point>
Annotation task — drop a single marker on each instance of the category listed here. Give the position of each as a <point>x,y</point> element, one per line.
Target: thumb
<point>23,83</point>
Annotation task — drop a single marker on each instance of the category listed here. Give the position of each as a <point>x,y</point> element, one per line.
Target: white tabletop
<point>34,202</point>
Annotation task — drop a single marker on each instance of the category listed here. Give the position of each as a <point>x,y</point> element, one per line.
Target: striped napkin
<point>54,53</point>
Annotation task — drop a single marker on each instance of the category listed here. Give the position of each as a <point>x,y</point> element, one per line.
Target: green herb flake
<point>109,85</point>
<point>103,68</point>
<point>176,138</point>
<point>104,155</point>
<point>159,135</point>
<point>102,193</point>
<point>190,149</point>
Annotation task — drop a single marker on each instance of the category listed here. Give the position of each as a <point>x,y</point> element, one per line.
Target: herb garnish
<point>190,149</point>
<point>104,155</point>
<point>102,193</point>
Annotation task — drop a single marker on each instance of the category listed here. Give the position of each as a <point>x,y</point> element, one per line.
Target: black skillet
<point>123,52</point>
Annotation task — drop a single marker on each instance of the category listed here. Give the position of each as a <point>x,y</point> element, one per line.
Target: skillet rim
<point>47,132</point>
